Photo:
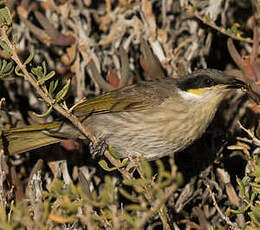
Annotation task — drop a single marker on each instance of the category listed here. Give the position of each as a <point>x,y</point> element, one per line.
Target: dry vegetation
<point>97,46</point>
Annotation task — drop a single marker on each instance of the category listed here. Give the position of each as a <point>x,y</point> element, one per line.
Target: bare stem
<point>214,26</point>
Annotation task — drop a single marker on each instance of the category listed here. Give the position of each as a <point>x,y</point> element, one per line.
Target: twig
<point>235,55</point>
<point>255,140</point>
<point>214,26</point>
<point>74,120</point>
<point>224,217</point>
<point>163,215</point>
<point>157,204</point>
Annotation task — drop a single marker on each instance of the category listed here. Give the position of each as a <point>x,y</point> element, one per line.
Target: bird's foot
<point>98,149</point>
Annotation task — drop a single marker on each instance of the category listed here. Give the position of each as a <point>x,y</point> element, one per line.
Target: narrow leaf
<point>61,94</point>
<point>20,74</point>
<point>5,16</point>
<point>46,77</point>
<point>6,48</point>
<point>103,164</point>
<point>44,114</point>
<point>29,59</point>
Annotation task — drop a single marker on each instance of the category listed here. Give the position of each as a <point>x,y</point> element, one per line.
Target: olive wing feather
<point>141,96</point>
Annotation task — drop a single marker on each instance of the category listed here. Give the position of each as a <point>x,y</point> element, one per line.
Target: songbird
<point>150,119</point>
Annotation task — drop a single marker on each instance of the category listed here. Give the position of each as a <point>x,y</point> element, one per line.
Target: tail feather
<point>20,140</point>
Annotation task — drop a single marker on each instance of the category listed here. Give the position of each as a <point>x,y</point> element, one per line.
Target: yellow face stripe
<point>200,91</point>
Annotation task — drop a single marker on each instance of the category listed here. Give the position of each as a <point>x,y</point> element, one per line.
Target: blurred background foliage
<point>79,48</point>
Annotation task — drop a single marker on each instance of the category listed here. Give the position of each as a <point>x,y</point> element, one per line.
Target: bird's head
<point>207,85</point>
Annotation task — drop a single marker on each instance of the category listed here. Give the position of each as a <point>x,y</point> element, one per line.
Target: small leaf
<point>29,59</point>
<point>3,64</point>
<point>16,70</point>
<point>135,207</point>
<point>9,68</point>
<point>6,68</point>
<point>124,162</point>
<point>44,68</point>
<point>241,210</point>
<point>167,180</point>
<point>5,16</point>
<point>61,94</point>
<point>44,114</point>
<point>10,29</point>
<point>127,195</point>
<point>146,168</point>
<point>129,218</point>
<point>37,71</point>
<point>161,169</point>
<point>113,153</point>
<point>241,187</point>
<point>103,164</point>
<point>256,213</point>
<point>53,86</point>
<point>6,48</point>
<point>46,77</point>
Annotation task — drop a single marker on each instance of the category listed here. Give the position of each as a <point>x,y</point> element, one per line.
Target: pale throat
<point>189,95</point>
<point>200,98</point>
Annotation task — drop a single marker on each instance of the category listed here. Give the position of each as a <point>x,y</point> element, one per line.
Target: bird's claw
<point>98,149</point>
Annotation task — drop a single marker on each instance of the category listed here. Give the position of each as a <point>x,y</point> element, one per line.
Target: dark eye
<point>208,82</point>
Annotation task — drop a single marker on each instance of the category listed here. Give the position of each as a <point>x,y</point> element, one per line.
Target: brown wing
<point>141,96</point>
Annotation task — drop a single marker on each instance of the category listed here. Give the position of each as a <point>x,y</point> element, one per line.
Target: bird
<point>149,119</point>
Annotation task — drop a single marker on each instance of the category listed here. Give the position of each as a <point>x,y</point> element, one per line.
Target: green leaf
<point>44,68</point>
<point>29,59</point>
<point>5,16</point>
<point>241,210</point>
<point>46,77</point>
<point>53,86</point>
<point>124,162</point>
<point>113,153</point>
<point>146,168</point>
<point>61,94</point>
<point>131,182</point>
<point>6,48</point>
<point>37,71</point>
<point>10,29</point>
<point>241,187</point>
<point>167,180</point>
<point>16,70</point>
<point>46,113</point>
<point>127,195</point>
<point>256,213</point>
<point>135,207</point>
<point>6,68</point>
<point>161,169</point>
<point>129,218</point>
<point>103,164</point>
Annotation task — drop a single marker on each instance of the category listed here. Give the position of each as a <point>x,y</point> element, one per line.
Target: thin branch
<point>74,120</point>
<point>224,217</point>
<point>235,55</point>
<point>157,204</point>
<point>214,26</point>
<point>255,140</point>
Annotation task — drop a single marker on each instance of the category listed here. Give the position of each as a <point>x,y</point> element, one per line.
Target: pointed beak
<point>235,84</point>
